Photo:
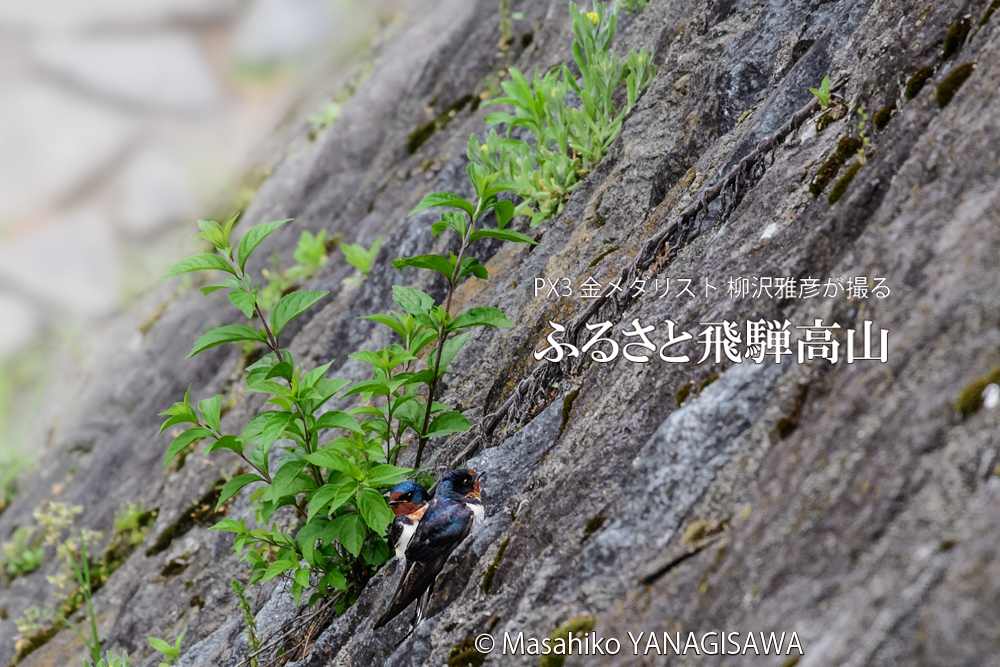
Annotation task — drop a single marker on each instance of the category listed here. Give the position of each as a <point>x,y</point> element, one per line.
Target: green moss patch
<point>201,512</point>
<point>707,381</point>
<point>465,654</point>
<point>883,116</point>
<point>785,426</point>
<point>846,147</point>
<point>420,135</point>
<point>683,393</point>
<point>840,187</point>
<point>956,79</point>
<point>579,626</point>
<point>568,408</point>
<point>916,82</point>
<point>995,5</point>
<point>491,571</point>
<point>604,254</point>
<point>955,39</point>
<point>593,525</point>
<point>970,399</point>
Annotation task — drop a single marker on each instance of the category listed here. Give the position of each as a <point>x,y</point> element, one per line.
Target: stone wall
<point>848,503</point>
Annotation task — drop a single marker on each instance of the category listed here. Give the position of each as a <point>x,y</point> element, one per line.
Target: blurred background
<point>121,123</point>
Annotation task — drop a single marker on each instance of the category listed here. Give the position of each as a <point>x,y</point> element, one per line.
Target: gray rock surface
<point>847,503</point>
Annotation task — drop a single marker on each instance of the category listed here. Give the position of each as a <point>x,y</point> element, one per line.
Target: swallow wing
<point>442,528</point>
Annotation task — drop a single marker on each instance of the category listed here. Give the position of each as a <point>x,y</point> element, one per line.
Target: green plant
<point>360,258</point>
<point>862,134</point>
<point>81,570</point>
<point>110,661</point>
<point>335,486</point>
<point>248,618</point>
<point>329,116</point>
<point>633,6</point>
<point>823,92</point>
<point>311,255</point>
<point>170,652</point>
<point>573,121</point>
<point>19,556</point>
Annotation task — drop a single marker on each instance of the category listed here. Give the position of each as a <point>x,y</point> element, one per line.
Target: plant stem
<point>441,336</point>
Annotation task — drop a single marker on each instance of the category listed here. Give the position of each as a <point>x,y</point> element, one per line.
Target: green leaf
<point>412,300</point>
<point>503,235</point>
<point>374,509</point>
<point>186,418</point>
<point>451,348</point>
<point>386,475</point>
<point>312,377</point>
<point>504,211</point>
<point>163,647</point>
<point>183,440</point>
<point>253,237</point>
<point>338,419</point>
<point>230,442</point>
<point>291,306</point>
<point>331,497</point>
<point>432,262</point>
<point>443,199</point>
<point>234,485</point>
<point>447,423</point>
<point>243,300</point>
<point>302,577</point>
<point>228,334</point>
<point>211,409</point>
<point>206,261</point>
<point>351,532</point>
<point>230,526</point>
<point>277,567</point>
<point>481,316</point>
<point>472,265</point>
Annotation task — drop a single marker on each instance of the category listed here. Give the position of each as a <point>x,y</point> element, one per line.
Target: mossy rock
<point>955,39</point>
<point>995,5</point>
<point>846,147</point>
<point>593,525</point>
<point>491,571</point>
<point>883,116</point>
<point>579,626</point>
<point>465,654</point>
<point>956,79</point>
<point>916,82</point>
<point>840,187</point>
<point>683,393</point>
<point>971,398</point>
<point>707,381</point>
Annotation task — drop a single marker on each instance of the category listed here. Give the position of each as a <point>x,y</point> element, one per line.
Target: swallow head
<point>406,497</point>
<point>461,483</point>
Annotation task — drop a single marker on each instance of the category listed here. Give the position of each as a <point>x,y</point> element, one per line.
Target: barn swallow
<point>456,509</point>
<point>408,501</point>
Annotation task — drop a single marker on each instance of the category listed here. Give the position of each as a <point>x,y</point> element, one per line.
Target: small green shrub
<point>822,93</point>
<point>19,556</point>
<point>360,258</point>
<point>243,602</point>
<point>568,141</point>
<point>110,661</point>
<point>171,652</point>
<point>335,485</point>
<point>311,255</point>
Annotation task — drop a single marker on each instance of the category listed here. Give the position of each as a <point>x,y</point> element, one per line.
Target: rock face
<point>847,503</point>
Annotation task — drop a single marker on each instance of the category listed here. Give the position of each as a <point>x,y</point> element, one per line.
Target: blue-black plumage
<point>455,510</point>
